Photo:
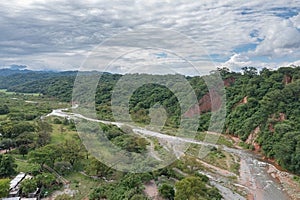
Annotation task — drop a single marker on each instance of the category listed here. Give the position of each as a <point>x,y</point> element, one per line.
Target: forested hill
<point>263,109</point>
<point>56,84</point>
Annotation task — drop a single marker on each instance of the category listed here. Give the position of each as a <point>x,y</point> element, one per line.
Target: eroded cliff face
<point>205,103</point>
<point>252,139</point>
<point>287,79</point>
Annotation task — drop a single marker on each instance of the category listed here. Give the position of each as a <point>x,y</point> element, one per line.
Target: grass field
<point>24,166</point>
<point>82,183</point>
<point>61,133</point>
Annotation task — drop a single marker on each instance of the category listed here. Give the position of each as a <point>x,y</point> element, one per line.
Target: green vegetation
<point>82,183</point>
<point>297,178</point>
<point>167,191</point>
<point>28,186</point>
<point>128,187</point>
<point>63,197</point>
<point>7,166</point>
<point>4,187</point>
<point>272,98</point>
<point>24,166</point>
<point>195,188</point>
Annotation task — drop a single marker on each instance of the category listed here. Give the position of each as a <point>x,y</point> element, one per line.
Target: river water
<point>253,173</point>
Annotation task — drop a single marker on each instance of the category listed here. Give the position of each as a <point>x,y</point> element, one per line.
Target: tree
<point>96,167</point>
<point>167,191</point>
<point>98,193</point>
<point>249,71</point>
<point>72,151</point>
<point>28,186</point>
<point>23,149</point>
<point>26,138</point>
<point>43,138</point>
<point>214,194</point>
<point>7,166</point>
<point>45,180</point>
<point>57,121</point>
<point>4,109</point>
<point>285,151</point>
<point>224,71</point>
<point>12,129</point>
<point>4,187</point>
<point>44,130</point>
<point>45,155</point>
<point>191,188</point>
<point>7,143</point>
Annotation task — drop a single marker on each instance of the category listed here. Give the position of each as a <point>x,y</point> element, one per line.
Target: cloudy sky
<point>62,35</point>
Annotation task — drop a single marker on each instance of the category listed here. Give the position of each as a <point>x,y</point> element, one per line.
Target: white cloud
<point>281,39</point>
<point>59,34</point>
<point>296,21</point>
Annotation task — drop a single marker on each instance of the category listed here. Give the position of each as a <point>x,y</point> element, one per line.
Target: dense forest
<point>262,107</point>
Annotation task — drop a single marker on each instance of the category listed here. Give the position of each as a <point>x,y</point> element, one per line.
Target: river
<point>253,172</point>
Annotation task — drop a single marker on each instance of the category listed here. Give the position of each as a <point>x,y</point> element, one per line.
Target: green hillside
<point>262,108</point>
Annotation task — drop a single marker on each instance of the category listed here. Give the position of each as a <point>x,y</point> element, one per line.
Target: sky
<point>149,35</point>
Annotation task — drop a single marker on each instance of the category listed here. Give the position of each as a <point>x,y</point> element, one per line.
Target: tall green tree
<point>7,166</point>
<point>45,155</point>
<point>97,168</point>
<point>72,151</point>
<point>44,130</point>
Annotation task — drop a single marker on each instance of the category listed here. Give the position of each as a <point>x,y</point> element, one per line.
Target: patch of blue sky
<point>218,58</point>
<point>285,12</point>
<point>161,55</point>
<point>245,48</point>
<point>267,59</point>
<point>255,34</point>
<point>248,11</point>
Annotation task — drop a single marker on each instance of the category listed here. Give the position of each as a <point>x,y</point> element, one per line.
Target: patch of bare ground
<point>218,170</point>
<point>151,191</point>
<point>66,190</point>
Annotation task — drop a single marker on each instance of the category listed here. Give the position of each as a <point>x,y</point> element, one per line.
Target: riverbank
<point>290,186</point>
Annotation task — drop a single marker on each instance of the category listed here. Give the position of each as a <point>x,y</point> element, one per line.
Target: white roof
<point>28,198</point>
<point>16,180</point>
<point>11,198</point>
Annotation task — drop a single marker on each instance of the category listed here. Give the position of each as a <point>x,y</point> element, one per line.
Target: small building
<point>14,188</point>
<point>15,192</point>
<point>11,198</point>
<point>17,180</point>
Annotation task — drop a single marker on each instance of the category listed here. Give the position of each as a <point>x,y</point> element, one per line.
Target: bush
<point>167,191</point>
<point>57,121</point>
<point>28,186</point>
